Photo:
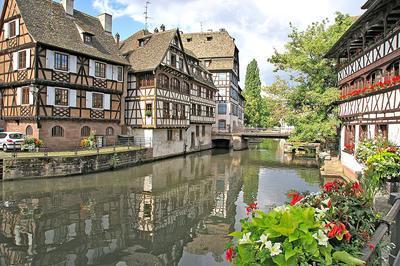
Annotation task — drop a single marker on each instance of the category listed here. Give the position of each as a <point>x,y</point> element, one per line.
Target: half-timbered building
<point>62,74</point>
<point>218,53</point>
<point>160,84</point>
<point>368,57</point>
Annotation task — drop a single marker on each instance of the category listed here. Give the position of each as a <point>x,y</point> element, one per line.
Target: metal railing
<point>390,224</point>
<point>118,144</point>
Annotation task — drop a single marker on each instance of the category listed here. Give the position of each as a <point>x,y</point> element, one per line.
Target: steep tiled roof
<point>48,23</point>
<point>210,44</point>
<point>132,42</point>
<point>221,64</point>
<point>149,56</point>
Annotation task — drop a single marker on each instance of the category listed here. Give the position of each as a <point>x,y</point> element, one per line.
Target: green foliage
<point>313,77</point>
<point>256,110</point>
<point>382,164</point>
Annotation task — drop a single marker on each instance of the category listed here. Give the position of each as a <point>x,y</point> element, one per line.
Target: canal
<point>171,212</point>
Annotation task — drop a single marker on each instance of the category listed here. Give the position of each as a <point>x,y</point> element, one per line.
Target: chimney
<point>117,38</point>
<point>106,22</point>
<point>162,27</point>
<point>68,6</point>
<point>156,30</point>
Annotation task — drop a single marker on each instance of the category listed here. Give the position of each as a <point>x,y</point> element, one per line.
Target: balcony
<point>371,55</point>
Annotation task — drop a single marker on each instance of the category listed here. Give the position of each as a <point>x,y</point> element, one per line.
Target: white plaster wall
<point>394,133</point>
<point>163,147</point>
<point>201,142</point>
<point>342,133</point>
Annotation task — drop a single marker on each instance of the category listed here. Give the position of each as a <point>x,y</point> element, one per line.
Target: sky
<point>259,26</point>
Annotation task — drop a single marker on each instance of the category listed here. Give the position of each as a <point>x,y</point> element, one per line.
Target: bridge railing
<point>282,130</point>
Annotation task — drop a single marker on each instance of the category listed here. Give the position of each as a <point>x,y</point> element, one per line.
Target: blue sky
<point>259,26</point>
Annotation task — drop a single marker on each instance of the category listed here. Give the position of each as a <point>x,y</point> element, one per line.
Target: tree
<point>276,97</point>
<point>310,100</point>
<point>255,108</point>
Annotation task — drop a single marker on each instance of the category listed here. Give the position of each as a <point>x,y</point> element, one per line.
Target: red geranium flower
<point>252,207</point>
<point>371,246</point>
<point>347,236</point>
<point>229,254</point>
<point>296,197</point>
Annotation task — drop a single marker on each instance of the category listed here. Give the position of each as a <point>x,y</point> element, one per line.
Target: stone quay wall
<point>47,167</point>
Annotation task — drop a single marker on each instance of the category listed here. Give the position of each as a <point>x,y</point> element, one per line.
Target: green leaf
<point>343,256</point>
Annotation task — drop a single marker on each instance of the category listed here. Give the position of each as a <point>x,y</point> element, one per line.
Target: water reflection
<point>170,212</point>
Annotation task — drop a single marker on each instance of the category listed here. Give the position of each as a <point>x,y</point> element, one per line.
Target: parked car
<point>11,140</point>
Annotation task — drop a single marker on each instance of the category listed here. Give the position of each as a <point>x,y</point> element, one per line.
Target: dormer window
<point>87,38</point>
<point>141,43</point>
<point>189,39</point>
<point>11,29</point>
<point>209,38</point>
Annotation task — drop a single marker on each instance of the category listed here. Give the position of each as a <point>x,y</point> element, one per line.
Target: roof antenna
<point>146,15</point>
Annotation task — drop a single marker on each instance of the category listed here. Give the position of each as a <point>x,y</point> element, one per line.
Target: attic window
<point>87,38</point>
<point>141,43</point>
<point>189,39</point>
<point>209,38</point>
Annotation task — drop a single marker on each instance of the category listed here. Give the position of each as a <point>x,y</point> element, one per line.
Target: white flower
<point>275,249</point>
<point>264,241</point>
<point>245,239</point>
<point>281,209</point>
<point>322,238</point>
<point>320,213</point>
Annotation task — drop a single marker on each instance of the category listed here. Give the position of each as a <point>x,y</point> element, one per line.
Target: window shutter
<point>88,99</point>
<point>6,29</point>
<point>73,61</point>
<point>115,73</point>
<point>31,95</point>
<point>15,61</point>
<point>51,96</point>
<point>17,27</point>
<point>91,67</point>
<point>28,58</point>
<point>72,98</point>
<point>19,96</point>
<point>109,71</point>
<point>107,102</point>
<point>49,59</point>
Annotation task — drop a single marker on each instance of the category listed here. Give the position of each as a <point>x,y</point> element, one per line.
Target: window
<point>120,74</point>
<point>207,111</point>
<point>180,63</point>
<point>382,131</point>
<point>100,70</point>
<point>174,110</point>
<point>29,131</point>
<point>149,109</point>
<point>211,112</point>
<point>146,80</point>
<point>85,131</point>
<point>97,100</point>
<point>183,113</point>
<point>363,132</point>
<point>199,92</point>
<point>185,88</point>
<point>180,134</point>
<point>209,38</point>
<point>193,109</point>
<point>169,134</point>
<point>87,38</point>
<point>62,97</point>
<point>175,84</point>
<point>197,131</point>
<point>203,130</point>
<point>25,95</point>
<point>61,61</point>
<point>57,131</point>
<point>110,131</point>
<point>12,29</point>
<point>163,81</point>
<point>221,124</point>
<point>189,39</point>
<point>166,110</point>
<point>173,60</point>
<point>199,110</point>
<point>222,109</point>
<point>349,138</point>
<point>22,60</point>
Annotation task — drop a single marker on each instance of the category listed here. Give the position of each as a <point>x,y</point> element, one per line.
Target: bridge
<point>238,140</point>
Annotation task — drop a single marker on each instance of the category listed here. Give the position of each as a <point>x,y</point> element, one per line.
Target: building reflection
<point>146,215</point>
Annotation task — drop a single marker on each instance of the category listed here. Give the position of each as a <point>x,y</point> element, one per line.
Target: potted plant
<point>148,113</point>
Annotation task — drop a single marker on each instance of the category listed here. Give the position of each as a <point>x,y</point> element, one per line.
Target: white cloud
<point>259,26</point>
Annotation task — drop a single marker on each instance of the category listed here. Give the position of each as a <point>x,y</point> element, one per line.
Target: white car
<point>11,141</point>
